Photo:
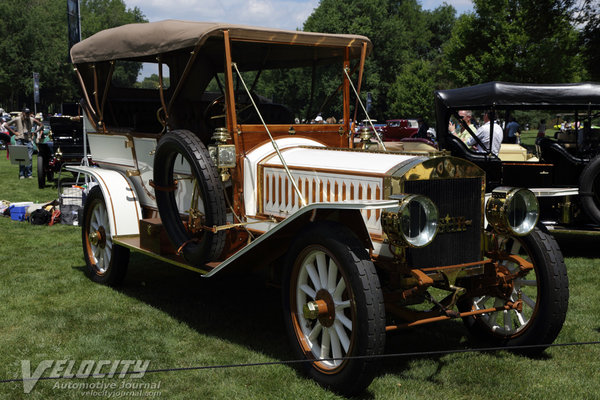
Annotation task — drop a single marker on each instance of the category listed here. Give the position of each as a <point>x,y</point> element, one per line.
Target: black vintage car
<point>563,170</point>
<point>66,147</point>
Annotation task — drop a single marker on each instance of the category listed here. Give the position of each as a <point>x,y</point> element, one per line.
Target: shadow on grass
<point>245,310</point>
<point>242,309</point>
<point>578,245</point>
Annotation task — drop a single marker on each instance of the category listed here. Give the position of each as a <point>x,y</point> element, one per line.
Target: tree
<point>35,39</point>
<point>412,92</point>
<point>97,15</point>
<point>399,30</point>
<point>514,40</point>
<point>590,19</point>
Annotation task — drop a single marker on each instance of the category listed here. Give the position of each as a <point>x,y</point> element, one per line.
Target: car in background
<point>64,146</point>
<point>398,129</point>
<point>563,172</point>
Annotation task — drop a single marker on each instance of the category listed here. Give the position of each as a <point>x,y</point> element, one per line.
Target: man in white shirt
<point>483,133</point>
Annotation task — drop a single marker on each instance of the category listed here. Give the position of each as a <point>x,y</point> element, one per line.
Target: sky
<point>284,14</point>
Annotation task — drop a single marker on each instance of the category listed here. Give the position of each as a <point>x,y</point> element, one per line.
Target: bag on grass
<point>55,219</point>
<point>40,217</point>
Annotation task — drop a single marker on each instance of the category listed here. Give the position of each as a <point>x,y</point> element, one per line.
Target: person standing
<point>423,128</point>
<point>484,132</point>
<point>23,135</point>
<point>4,132</point>
<point>512,128</point>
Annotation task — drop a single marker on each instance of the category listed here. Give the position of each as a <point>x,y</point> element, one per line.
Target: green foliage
<point>415,51</point>
<point>412,93</point>
<point>152,82</point>
<point>126,73</point>
<point>401,33</point>
<point>514,40</point>
<point>590,35</point>
<point>97,15</point>
<point>34,39</point>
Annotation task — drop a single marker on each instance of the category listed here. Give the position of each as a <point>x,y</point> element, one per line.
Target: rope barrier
<point>292,362</point>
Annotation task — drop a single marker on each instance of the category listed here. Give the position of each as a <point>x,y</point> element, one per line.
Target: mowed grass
<point>175,318</point>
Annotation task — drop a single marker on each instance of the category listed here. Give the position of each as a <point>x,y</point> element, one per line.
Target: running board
<point>555,192</point>
<point>133,242</point>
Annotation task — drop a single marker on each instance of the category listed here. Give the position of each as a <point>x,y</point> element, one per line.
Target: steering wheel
<point>217,110</point>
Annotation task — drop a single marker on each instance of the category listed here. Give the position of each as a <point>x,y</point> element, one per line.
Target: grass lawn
<point>175,318</point>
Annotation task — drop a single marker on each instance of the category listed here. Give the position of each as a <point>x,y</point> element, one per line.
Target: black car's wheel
<point>41,171</point>
<point>106,262</point>
<point>544,291</point>
<point>188,188</point>
<point>328,270</point>
<point>589,189</point>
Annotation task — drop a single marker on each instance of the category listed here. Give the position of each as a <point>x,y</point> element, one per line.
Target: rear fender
<point>122,203</point>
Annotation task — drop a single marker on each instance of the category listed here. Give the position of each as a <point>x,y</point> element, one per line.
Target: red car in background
<point>397,129</point>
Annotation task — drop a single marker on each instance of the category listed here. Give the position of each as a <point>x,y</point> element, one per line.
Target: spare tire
<point>589,189</point>
<point>184,172</point>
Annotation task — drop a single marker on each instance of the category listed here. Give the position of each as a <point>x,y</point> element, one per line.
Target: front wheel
<point>106,262</point>
<point>333,308</point>
<point>544,292</point>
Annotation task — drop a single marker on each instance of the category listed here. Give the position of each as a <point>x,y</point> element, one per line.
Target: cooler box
<point>18,211</point>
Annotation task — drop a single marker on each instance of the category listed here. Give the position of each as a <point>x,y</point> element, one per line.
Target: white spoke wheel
<point>544,293</point>
<point>334,307</point>
<point>105,261</point>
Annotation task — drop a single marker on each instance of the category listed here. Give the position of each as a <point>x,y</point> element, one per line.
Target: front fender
<point>122,203</point>
<point>275,242</point>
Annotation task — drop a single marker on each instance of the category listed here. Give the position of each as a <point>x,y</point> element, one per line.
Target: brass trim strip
<point>85,93</point>
<point>363,56</point>
<point>333,171</point>
<point>105,94</point>
<point>161,91</point>
<point>100,116</point>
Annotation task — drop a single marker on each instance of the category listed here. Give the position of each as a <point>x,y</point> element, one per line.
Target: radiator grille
<point>454,198</point>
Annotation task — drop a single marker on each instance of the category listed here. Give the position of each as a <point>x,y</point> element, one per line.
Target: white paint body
<point>322,175</point>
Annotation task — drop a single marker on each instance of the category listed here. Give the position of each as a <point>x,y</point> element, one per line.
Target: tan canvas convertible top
<point>148,39</point>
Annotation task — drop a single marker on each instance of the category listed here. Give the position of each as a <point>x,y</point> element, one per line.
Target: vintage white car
<point>202,172</point>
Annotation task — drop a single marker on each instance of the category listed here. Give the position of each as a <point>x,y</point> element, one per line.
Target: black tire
<point>589,189</point>
<point>41,171</point>
<point>364,312</point>
<point>545,292</point>
<point>203,246</point>
<point>106,262</point>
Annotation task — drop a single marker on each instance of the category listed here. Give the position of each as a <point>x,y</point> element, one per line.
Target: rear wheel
<point>106,262</point>
<point>333,308</point>
<point>544,292</point>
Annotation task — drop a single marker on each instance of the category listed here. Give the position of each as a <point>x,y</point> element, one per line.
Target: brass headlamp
<point>413,223</point>
<point>512,210</point>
